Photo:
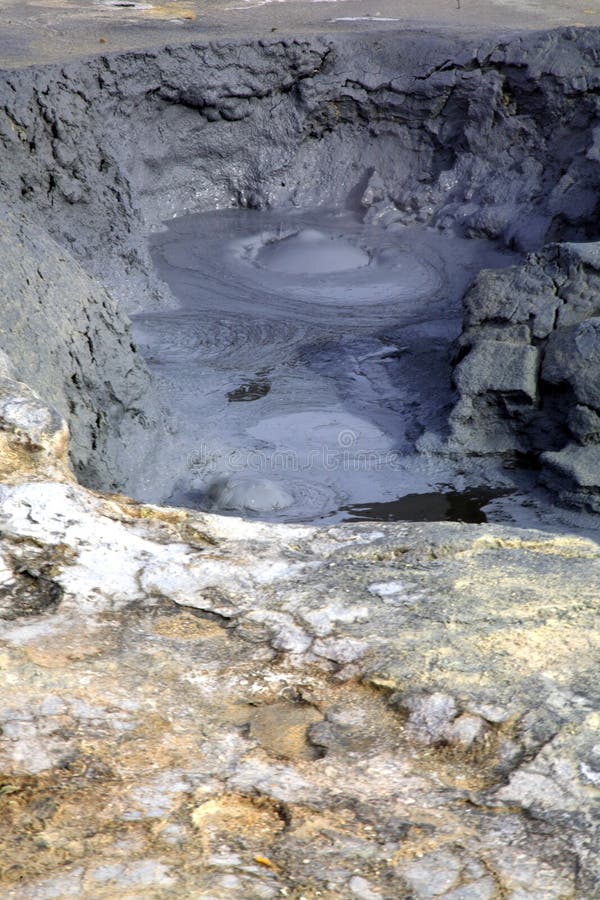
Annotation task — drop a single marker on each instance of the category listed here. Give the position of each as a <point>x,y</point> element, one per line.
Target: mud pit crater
<point>307,252</point>
<point>460,753</point>
<point>386,256</point>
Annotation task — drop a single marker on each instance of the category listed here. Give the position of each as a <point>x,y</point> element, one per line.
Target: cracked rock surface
<point>214,708</point>
<point>529,379</point>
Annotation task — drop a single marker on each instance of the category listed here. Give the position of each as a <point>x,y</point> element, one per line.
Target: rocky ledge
<point>196,706</point>
<point>528,371</point>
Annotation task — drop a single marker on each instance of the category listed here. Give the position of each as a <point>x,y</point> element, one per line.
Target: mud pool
<point>308,364</point>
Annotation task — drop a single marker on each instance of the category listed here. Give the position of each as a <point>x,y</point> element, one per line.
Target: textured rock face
<point>215,708</point>
<point>70,342</point>
<point>529,379</point>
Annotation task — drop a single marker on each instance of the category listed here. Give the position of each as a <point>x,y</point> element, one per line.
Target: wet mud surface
<point>309,354</point>
<point>308,369</point>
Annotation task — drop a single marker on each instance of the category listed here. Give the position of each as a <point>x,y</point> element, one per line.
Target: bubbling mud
<point>310,252</point>
<point>336,334</point>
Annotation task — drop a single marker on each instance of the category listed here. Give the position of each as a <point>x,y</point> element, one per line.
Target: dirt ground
<point>37,31</point>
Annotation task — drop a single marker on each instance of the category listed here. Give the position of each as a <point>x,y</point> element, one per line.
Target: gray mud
<point>349,324</point>
<point>309,366</point>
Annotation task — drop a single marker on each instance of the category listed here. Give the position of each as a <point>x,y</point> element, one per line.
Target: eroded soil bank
<point>202,706</point>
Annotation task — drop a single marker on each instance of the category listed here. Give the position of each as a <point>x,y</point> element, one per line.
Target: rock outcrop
<point>69,340</point>
<point>218,708</point>
<point>529,371</point>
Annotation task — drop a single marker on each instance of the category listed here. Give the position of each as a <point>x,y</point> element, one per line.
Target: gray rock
<point>574,473</point>
<point>584,424</point>
<point>433,875</point>
<point>361,888</point>
<point>522,295</point>
<point>499,367</point>
<point>545,309</point>
<point>428,715</point>
<point>71,344</point>
<point>465,730</point>
<point>30,421</point>
<point>573,357</point>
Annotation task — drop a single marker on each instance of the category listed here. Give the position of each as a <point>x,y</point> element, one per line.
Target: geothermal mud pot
<point>300,457</point>
<point>309,353</point>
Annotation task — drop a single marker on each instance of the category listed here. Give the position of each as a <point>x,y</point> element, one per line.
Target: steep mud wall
<point>499,139</point>
<point>69,340</point>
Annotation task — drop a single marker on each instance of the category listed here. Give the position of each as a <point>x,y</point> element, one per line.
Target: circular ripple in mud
<point>354,269</point>
<point>285,495</point>
<point>310,252</point>
<point>219,339</point>
<point>312,499</point>
<point>247,493</point>
<point>298,263</point>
